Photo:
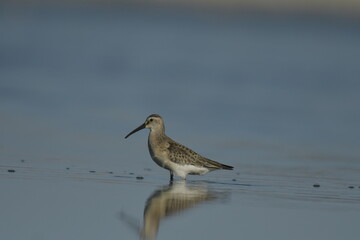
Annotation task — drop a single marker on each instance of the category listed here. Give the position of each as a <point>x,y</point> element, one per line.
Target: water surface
<point>274,96</point>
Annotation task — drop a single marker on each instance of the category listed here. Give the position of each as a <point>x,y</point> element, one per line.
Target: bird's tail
<point>217,165</point>
<point>227,167</point>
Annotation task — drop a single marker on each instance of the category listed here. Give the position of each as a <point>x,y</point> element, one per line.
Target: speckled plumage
<point>183,155</point>
<point>173,156</point>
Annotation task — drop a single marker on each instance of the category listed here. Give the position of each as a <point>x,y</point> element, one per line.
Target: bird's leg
<point>171,176</point>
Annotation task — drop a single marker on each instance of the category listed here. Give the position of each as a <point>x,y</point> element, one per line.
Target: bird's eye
<point>151,120</point>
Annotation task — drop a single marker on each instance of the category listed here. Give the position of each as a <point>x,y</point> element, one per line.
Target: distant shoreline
<point>348,8</point>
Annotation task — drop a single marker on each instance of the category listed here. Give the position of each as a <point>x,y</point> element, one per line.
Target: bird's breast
<point>159,154</point>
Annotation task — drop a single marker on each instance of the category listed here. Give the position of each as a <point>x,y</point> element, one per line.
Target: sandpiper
<point>176,158</point>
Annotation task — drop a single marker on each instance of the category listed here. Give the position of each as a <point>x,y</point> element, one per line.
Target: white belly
<point>178,169</point>
<point>183,170</point>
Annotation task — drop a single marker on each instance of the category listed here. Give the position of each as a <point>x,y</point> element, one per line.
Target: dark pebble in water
<point>67,168</point>
<point>92,171</point>
<point>131,173</point>
<point>316,185</point>
<point>110,172</point>
<point>351,187</point>
<point>139,177</point>
<point>11,170</point>
<point>22,160</point>
<point>234,180</point>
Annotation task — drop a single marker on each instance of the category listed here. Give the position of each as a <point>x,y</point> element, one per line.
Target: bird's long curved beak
<point>136,129</point>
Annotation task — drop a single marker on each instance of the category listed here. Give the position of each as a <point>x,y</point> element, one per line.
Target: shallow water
<point>274,96</point>
<point>281,202</point>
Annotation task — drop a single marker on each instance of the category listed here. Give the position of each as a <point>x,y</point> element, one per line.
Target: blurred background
<point>243,81</point>
<point>270,87</point>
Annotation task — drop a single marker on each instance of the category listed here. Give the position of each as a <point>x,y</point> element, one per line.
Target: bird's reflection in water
<point>168,201</point>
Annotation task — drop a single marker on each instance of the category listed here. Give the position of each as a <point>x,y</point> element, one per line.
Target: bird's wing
<point>182,155</point>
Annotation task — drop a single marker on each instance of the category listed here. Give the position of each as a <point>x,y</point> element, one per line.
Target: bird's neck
<point>157,135</point>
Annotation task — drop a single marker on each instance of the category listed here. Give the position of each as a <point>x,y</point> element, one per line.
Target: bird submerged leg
<point>171,176</point>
